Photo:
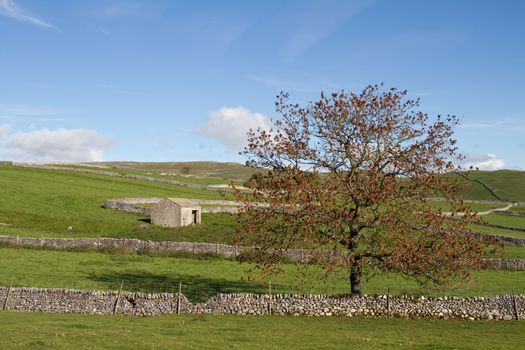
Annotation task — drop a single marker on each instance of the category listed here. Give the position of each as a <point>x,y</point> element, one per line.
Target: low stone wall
<point>504,307</point>
<point>220,209</point>
<point>503,264</point>
<point>131,245</point>
<point>91,302</point>
<point>129,205</point>
<point>505,240</point>
<point>198,248</point>
<point>509,228</point>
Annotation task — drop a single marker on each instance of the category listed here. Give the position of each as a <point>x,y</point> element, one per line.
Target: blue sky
<point>160,80</point>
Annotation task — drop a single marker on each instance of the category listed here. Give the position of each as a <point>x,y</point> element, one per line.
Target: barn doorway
<point>194,216</point>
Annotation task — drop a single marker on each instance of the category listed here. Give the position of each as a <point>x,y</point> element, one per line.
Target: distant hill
<point>508,185</point>
<point>226,171</point>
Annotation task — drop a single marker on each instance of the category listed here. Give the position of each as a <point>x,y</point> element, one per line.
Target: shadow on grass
<point>196,288</point>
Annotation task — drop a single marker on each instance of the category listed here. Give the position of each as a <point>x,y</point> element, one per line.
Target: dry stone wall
<point>198,248</point>
<point>129,205</point>
<point>509,228</point>
<point>505,240</point>
<point>503,264</point>
<point>91,302</point>
<point>504,307</point>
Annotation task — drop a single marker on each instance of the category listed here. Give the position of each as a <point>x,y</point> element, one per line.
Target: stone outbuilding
<point>175,212</point>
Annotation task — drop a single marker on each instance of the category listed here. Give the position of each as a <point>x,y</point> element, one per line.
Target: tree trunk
<point>355,276</point>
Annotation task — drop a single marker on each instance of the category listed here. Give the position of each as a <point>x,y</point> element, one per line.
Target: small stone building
<point>175,212</point>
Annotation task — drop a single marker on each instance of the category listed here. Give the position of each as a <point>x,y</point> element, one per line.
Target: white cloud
<point>484,162</point>
<point>10,9</point>
<point>62,145</point>
<point>229,125</point>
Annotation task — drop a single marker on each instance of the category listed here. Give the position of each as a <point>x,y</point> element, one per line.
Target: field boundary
<point>54,300</point>
<point>132,205</point>
<point>200,248</point>
<point>490,190</point>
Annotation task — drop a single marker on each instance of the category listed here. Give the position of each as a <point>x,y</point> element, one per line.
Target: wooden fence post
<point>270,297</point>
<point>7,295</point>
<point>179,297</point>
<point>514,303</point>
<point>388,301</point>
<point>118,297</point>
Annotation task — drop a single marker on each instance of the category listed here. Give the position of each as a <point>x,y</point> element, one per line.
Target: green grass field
<point>511,251</point>
<point>507,184</point>
<point>477,207</point>
<point>156,174</point>
<point>73,331</point>
<point>46,202</point>
<point>203,278</point>
<point>216,228</point>
<point>505,220</point>
<point>214,170</point>
<point>518,208</point>
<point>496,231</point>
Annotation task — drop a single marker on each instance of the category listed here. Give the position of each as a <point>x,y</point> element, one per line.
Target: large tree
<point>354,177</point>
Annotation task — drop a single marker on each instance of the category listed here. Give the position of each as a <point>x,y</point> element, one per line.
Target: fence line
<point>501,307</point>
<point>200,248</point>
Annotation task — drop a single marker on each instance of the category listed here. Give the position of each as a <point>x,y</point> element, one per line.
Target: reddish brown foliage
<point>353,174</point>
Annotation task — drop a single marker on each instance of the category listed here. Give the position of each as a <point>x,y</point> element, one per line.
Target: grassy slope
<point>496,231</point>
<point>70,331</point>
<point>227,171</point>
<point>518,208</point>
<point>505,220</point>
<point>47,202</point>
<point>477,207</point>
<point>156,174</point>
<point>508,184</point>
<point>204,278</point>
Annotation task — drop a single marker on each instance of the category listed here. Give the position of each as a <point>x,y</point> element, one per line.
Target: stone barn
<point>175,212</point>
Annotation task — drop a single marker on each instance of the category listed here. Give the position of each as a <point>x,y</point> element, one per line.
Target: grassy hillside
<point>71,331</point>
<point>506,184</point>
<point>218,170</point>
<point>48,202</point>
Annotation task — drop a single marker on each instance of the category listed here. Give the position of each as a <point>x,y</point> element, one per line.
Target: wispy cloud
<point>502,124</point>
<point>10,9</point>
<point>317,23</point>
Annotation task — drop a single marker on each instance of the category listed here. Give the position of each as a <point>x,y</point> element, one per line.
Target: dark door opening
<point>194,215</point>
